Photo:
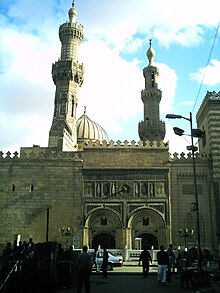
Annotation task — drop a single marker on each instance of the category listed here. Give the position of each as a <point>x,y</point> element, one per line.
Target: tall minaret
<point>151,128</point>
<point>67,75</point>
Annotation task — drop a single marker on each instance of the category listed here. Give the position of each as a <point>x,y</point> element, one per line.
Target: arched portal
<point>103,227</point>
<point>148,240</point>
<point>103,240</point>
<point>147,227</point>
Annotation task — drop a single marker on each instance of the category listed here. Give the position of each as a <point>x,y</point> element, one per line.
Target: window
<point>152,79</point>
<point>146,221</point>
<point>106,188</point>
<point>103,221</point>
<point>144,188</point>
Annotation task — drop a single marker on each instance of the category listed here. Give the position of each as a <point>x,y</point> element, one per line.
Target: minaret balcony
<point>67,70</point>
<point>69,31</point>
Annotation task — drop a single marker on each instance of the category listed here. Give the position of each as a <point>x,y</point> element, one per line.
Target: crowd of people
<point>169,264</point>
<point>21,252</point>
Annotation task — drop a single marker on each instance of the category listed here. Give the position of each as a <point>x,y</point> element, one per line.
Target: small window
<point>204,139</point>
<point>32,187</point>
<point>146,222</point>
<point>152,79</point>
<point>103,221</point>
<point>13,187</point>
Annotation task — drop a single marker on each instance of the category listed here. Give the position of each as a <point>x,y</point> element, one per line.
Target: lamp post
<point>67,233</point>
<point>193,133</point>
<point>186,233</point>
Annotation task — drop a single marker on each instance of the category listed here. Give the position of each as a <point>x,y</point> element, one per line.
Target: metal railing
<point>4,284</point>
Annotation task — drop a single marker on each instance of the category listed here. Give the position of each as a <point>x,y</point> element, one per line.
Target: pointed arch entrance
<point>103,240</point>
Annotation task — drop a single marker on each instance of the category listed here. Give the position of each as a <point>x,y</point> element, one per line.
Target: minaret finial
<point>84,109</point>
<point>72,13</point>
<point>150,53</point>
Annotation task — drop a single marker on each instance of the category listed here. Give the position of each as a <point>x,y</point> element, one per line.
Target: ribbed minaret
<point>151,128</point>
<point>67,75</point>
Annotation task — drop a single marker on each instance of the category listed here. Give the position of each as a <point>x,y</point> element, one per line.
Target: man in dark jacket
<point>145,258</point>
<point>163,262</point>
<point>84,268</point>
<point>104,263</point>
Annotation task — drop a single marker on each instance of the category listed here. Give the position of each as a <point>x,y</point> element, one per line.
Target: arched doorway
<point>147,225</point>
<point>148,240</point>
<point>104,240</point>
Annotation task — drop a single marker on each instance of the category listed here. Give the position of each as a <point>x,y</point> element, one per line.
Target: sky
<point>185,39</point>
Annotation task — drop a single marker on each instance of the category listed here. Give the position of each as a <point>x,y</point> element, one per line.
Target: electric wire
<point>209,57</point>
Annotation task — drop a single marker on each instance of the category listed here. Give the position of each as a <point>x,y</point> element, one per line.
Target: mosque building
<point>121,195</point>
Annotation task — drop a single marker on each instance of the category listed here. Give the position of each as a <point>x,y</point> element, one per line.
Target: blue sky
<point>117,34</point>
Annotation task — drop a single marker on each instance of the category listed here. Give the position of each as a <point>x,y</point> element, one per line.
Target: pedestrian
<point>17,253</point>
<point>104,263</point>
<point>7,260</point>
<point>163,262</point>
<point>171,267</point>
<point>145,258</point>
<point>60,252</point>
<point>84,268</point>
<point>179,259</point>
<point>31,248</point>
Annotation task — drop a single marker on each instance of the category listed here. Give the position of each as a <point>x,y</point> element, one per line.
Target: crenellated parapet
<point>126,144</point>
<point>188,156</point>
<point>41,153</point>
<point>9,155</point>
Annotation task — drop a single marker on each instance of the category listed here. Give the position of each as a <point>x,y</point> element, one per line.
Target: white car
<point>113,260</point>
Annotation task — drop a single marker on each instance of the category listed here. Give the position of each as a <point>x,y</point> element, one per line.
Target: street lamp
<point>67,233</point>
<point>185,233</point>
<point>193,133</point>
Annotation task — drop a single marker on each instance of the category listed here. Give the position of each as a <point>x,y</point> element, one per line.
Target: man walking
<point>105,263</point>
<point>84,268</point>
<point>163,262</point>
<point>145,258</point>
<point>171,255</point>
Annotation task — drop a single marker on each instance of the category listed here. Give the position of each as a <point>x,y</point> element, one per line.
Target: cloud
<point>177,144</point>
<point>113,55</point>
<point>186,103</point>
<point>170,22</point>
<point>167,82</point>
<point>190,36</point>
<point>112,85</point>
<point>210,75</point>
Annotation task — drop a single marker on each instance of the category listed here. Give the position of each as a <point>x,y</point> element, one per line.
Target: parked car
<point>113,260</point>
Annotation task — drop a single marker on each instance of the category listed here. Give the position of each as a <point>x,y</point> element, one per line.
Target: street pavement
<point>129,279</point>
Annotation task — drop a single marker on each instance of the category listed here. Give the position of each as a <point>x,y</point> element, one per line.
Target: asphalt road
<point>129,279</point>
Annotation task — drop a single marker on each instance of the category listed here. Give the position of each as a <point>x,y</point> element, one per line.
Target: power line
<point>204,73</point>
